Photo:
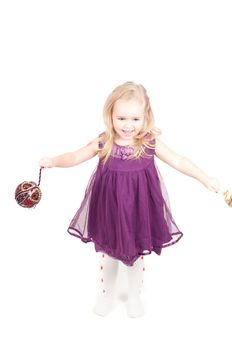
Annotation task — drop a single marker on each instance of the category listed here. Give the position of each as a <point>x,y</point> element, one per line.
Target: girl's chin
<point>127,135</point>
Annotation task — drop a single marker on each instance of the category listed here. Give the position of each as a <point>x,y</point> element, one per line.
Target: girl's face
<point>128,119</point>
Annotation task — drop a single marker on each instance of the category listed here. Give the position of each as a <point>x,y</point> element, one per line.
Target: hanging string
<point>40,171</point>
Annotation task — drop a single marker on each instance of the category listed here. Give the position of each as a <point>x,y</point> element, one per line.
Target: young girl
<point>125,211</point>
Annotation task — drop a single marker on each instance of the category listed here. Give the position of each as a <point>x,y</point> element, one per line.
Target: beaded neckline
<point>122,145</point>
<point>122,151</point>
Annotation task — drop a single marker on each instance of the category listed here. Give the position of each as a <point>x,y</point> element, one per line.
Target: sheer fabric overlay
<point>125,211</point>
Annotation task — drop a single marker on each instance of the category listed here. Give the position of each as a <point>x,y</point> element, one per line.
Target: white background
<point>59,62</point>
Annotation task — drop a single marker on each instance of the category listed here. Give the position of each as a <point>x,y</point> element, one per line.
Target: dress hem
<point>156,249</point>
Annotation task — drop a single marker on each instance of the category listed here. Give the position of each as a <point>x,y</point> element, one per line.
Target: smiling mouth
<point>126,131</point>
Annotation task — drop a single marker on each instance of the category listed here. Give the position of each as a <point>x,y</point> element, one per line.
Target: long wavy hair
<point>129,91</point>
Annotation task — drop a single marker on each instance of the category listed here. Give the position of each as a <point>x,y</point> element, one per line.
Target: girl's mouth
<point>128,132</point>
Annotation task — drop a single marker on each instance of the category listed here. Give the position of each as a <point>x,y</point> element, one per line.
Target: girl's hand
<point>212,184</point>
<point>46,162</point>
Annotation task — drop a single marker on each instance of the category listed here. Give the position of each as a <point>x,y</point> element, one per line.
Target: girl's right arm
<point>72,158</point>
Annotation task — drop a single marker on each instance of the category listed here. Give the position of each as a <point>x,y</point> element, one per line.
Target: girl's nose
<point>128,124</point>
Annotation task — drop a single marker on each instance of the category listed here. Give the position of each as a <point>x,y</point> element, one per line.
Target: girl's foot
<point>103,306</point>
<point>134,307</point>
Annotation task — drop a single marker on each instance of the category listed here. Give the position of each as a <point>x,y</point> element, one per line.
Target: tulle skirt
<point>126,214</point>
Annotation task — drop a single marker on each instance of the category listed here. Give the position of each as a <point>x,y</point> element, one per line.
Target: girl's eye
<point>123,118</point>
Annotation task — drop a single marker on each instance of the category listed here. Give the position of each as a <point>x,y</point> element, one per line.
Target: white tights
<point>108,269</point>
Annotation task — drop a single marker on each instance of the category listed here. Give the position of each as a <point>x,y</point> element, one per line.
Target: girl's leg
<point>135,282</point>
<point>108,269</point>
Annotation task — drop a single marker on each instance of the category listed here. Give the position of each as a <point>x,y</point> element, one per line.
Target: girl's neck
<point>124,142</point>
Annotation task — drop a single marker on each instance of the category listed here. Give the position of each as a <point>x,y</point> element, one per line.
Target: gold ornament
<point>228,197</point>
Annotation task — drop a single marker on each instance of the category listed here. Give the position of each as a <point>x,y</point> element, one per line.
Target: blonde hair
<point>129,91</point>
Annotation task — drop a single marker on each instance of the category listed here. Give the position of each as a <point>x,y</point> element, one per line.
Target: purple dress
<point>125,211</point>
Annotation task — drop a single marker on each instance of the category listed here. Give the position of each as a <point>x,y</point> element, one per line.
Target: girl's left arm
<point>185,166</point>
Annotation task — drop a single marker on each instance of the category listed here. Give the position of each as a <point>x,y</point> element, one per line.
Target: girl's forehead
<point>128,107</point>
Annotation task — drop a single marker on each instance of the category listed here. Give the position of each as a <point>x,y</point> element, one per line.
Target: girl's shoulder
<point>101,140</point>
<point>150,138</point>
<point>150,142</point>
<point>96,144</point>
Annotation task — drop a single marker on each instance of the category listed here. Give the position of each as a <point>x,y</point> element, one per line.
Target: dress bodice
<point>121,159</point>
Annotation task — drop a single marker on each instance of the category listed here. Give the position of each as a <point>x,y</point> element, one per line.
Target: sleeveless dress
<point>125,211</point>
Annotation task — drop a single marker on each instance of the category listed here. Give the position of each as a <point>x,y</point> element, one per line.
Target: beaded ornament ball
<point>28,193</point>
